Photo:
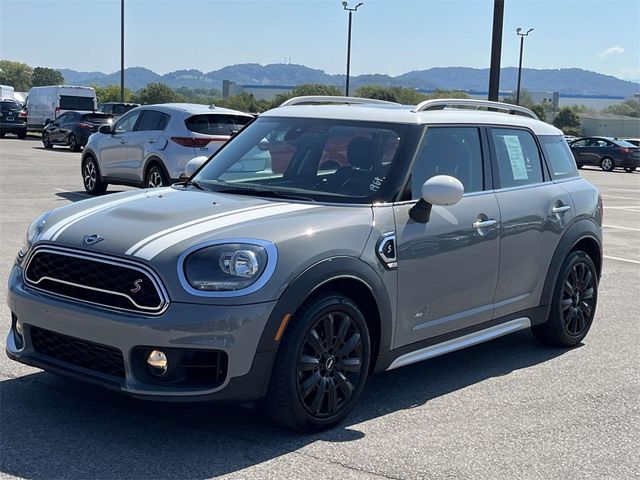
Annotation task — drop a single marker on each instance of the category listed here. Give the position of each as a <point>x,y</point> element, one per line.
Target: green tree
<point>46,76</point>
<point>405,96</point>
<point>16,75</point>
<point>630,108</point>
<point>111,93</point>
<point>566,118</point>
<point>377,92</point>
<point>156,93</point>
<point>539,110</point>
<point>245,102</point>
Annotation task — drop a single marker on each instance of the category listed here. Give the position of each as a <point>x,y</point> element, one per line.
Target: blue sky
<point>389,36</point>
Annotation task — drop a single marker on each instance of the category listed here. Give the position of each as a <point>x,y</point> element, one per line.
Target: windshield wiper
<point>265,193</point>
<point>191,183</point>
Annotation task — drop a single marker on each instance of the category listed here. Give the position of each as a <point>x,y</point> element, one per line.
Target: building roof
<point>607,116</point>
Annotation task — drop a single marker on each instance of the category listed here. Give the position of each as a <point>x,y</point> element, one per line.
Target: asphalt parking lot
<point>502,410</point>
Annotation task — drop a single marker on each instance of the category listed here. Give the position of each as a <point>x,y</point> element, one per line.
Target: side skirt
<point>443,344</point>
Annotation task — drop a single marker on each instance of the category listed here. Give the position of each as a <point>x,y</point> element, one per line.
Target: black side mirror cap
<point>106,129</point>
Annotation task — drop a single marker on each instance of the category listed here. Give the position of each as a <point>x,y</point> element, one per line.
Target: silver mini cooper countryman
<point>330,239</point>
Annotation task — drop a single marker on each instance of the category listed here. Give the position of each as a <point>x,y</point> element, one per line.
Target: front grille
<point>89,355</point>
<point>95,280</point>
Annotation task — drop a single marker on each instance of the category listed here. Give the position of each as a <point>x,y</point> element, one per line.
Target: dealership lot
<point>505,409</point>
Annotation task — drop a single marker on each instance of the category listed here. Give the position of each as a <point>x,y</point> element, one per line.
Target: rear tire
<point>74,146</point>
<point>574,303</point>
<point>91,178</point>
<point>607,164</point>
<point>321,366</point>
<point>22,135</point>
<point>155,178</point>
<point>2,134</point>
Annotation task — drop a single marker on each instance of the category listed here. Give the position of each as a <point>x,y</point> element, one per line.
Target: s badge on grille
<point>92,239</point>
<point>137,286</point>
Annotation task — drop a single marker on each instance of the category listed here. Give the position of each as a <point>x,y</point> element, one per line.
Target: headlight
<point>33,234</point>
<point>225,267</point>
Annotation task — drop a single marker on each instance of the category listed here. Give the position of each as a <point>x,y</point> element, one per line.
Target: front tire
<point>574,303</point>
<point>607,164</point>
<point>91,178</point>
<point>629,169</point>
<point>321,366</point>
<point>46,141</point>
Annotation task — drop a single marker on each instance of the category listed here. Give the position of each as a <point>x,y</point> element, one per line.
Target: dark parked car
<point>634,141</point>
<point>73,129</point>
<point>13,118</point>
<point>606,153</point>
<point>117,109</point>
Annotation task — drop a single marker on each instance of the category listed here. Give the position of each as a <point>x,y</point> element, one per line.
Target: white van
<point>47,103</point>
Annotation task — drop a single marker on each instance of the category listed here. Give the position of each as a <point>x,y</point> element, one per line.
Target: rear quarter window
<point>212,124</point>
<point>559,157</point>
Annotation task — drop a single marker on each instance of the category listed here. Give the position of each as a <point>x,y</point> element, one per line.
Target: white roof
<point>196,108</point>
<point>403,114</point>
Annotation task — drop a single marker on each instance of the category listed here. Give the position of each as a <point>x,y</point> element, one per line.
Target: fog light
<point>157,360</point>
<point>19,329</point>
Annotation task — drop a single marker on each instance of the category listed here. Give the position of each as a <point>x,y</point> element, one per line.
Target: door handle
<point>122,142</point>
<point>484,223</point>
<point>152,140</point>
<point>561,208</point>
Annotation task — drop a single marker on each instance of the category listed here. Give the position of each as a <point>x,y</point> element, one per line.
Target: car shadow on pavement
<point>53,427</point>
<point>81,195</point>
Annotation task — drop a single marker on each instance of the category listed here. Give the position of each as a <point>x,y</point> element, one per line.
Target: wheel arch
<point>151,161</point>
<point>346,275</point>
<point>583,235</point>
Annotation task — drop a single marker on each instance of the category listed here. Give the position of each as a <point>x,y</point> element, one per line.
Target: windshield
<point>315,159</point>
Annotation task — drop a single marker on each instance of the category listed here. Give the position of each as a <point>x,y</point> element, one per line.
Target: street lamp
<point>122,51</point>
<point>345,5</point>
<point>522,34</point>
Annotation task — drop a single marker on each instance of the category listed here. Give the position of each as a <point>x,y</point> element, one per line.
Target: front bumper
<point>235,330</point>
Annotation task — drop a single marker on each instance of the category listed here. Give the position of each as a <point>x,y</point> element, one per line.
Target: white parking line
<point>604,195</point>
<point>622,228</point>
<point>624,208</point>
<point>622,259</point>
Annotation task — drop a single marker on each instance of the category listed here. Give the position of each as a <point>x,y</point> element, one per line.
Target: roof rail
<point>320,99</point>
<point>442,103</point>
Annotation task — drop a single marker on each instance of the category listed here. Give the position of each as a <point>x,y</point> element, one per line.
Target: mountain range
<point>568,81</point>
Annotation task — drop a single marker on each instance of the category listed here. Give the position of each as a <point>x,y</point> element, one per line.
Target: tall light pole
<point>496,50</point>
<point>521,34</point>
<point>122,51</point>
<point>345,5</point>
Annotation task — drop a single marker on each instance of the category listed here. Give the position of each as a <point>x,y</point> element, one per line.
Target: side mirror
<point>193,165</point>
<point>106,129</point>
<point>441,190</point>
<point>47,122</point>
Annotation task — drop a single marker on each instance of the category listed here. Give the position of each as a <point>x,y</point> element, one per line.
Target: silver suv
<point>149,146</point>
<point>330,239</point>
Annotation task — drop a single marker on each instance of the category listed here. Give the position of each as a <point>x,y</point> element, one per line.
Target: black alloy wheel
<point>574,303</point>
<point>321,365</point>
<point>578,299</point>
<point>46,141</point>
<point>329,364</point>
<point>74,146</point>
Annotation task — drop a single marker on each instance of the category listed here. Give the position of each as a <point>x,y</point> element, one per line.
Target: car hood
<point>156,226</point>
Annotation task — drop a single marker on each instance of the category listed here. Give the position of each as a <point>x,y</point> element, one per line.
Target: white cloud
<point>611,51</point>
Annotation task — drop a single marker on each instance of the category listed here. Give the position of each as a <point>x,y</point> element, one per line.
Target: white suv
<point>150,145</point>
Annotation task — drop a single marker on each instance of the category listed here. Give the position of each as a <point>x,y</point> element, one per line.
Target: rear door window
<point>152,120</point>
<point>517,157</point>
<point>216,124</point>
<point>559,157</point>
<point>71,102</point>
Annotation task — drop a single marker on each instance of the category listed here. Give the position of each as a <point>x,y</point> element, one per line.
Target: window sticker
<point>518,165</point>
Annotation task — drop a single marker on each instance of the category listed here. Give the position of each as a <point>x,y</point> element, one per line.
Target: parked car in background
<point>150,145</point>
<point>13,118</point>
<point>633,141</point>
<point>48,103</point>
<point>117,109</point>
<point>570,138</point>
<point>73,129</point>
<point>606,153</point>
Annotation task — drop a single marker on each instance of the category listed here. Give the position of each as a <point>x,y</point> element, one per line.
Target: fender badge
<point>92,239</point>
